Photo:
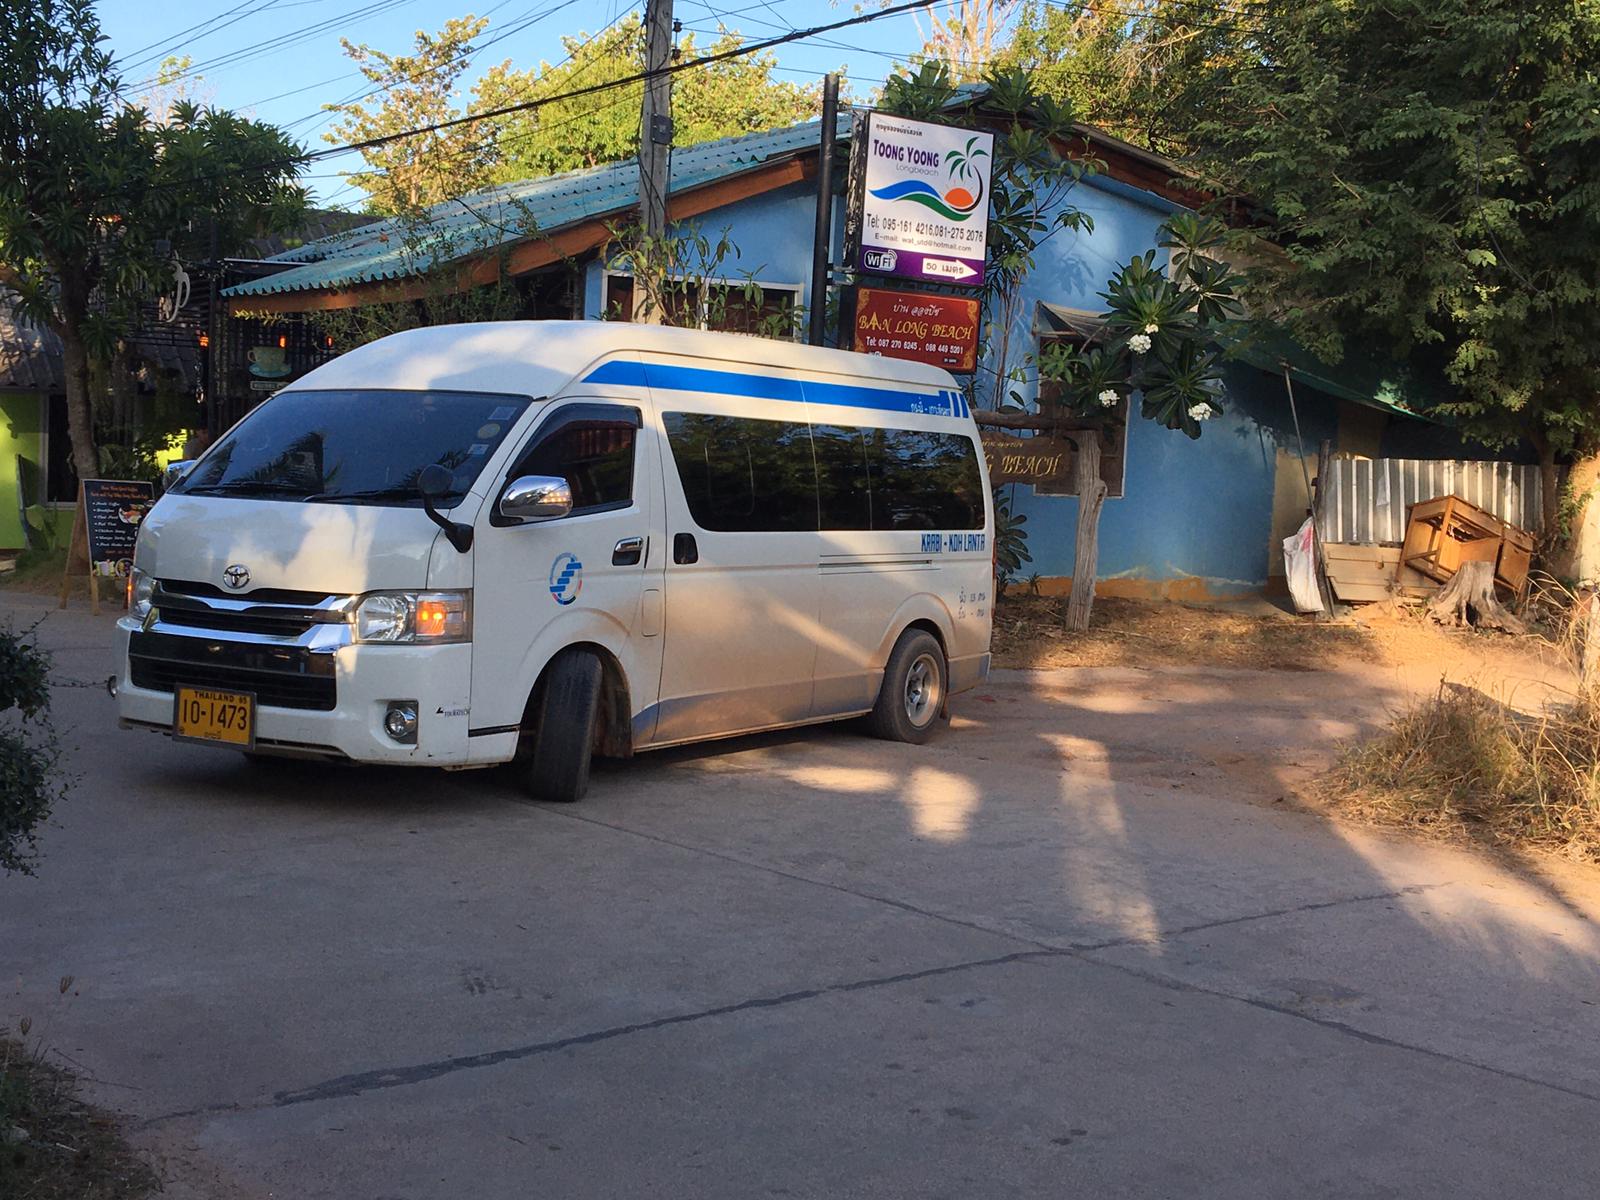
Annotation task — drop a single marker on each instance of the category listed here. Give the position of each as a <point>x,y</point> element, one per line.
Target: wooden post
<point>78,558</point>
<point>1319,523</point>
<point>1086,551</point>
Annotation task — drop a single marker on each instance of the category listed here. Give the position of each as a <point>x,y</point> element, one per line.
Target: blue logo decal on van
<point>566,578</point>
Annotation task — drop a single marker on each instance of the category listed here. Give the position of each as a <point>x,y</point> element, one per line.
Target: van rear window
<point>742,474</point>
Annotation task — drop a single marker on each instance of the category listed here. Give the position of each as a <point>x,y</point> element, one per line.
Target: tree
<point>410,92</point>
<point>1159,340</point>
<point>734,96</point>
<point>964,35</point>
<point>1141,70</point>
<point>1160,333</point>
<point>95,198</point>
<point>1430,171</point>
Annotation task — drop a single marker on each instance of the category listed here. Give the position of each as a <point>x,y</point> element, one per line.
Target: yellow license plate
<point>206,715</point>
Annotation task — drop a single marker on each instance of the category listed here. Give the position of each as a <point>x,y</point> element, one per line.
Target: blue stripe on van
<point>663,377</point>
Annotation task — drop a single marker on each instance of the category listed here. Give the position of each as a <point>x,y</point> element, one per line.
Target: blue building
<point>1195,518</point>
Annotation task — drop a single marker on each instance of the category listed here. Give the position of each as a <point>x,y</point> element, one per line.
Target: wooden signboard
<point>1047,462</point>
<point>920,326</point>
<point>104,529</point>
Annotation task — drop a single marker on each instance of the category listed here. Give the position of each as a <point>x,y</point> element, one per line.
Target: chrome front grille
<point>278,645</point>
<point>270,611</point>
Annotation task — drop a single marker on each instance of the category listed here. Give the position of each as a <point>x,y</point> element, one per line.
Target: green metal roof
<point>1391,388</point>
<point>513,212</point>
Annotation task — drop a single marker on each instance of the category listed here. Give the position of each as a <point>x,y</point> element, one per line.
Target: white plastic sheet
<point>1300,563</point>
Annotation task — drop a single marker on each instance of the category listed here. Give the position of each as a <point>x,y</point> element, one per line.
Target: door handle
<point>628,552</point>
<point>684,550</point>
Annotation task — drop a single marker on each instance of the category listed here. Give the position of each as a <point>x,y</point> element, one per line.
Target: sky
<point>280,60</point>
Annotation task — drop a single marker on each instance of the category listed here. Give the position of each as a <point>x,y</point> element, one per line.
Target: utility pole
<point>655,149</point>
<point>822,243</point>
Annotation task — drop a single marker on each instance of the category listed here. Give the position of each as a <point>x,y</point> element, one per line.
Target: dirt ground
<point>1255,635</point>
<point>1264,700</point>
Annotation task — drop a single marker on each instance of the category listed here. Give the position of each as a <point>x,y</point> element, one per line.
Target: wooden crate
<point>1447,531</point>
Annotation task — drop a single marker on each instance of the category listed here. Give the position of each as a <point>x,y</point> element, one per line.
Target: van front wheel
<point>562,728</point>
<point>913,690</point>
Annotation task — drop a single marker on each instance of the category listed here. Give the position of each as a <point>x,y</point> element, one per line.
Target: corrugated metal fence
<point>1367,499</point>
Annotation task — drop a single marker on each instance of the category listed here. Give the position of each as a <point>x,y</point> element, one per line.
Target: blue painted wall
<point>1194,510</point>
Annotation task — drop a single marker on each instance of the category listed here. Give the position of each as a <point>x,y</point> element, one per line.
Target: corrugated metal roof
<point>30,357</point>
<point>505,213</point>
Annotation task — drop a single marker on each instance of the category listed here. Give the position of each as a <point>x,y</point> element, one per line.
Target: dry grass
<point>38,572</point>
<point>55,1147</point>
<point>1462,764</point>
<point>1029,633</point>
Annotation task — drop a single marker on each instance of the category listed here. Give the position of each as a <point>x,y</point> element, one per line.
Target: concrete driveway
<point>1062,951</point>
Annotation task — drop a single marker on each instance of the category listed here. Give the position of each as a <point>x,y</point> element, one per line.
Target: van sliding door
<point>741,589</point>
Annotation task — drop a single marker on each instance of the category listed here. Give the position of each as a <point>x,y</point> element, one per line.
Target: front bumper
<point>360,681</point>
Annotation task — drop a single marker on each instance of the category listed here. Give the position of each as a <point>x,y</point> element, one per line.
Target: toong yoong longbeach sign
<point>921,200</point>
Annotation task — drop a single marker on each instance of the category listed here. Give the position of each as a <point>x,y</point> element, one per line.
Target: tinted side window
<point>923,480</point>
<point>844,498</point>
<point>594,456</point>
<point>743,476</point>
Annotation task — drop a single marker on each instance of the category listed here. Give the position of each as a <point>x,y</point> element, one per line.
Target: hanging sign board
<point>1040,460</point>
<point>940,330</point>
<point>919,204</point>
<point>104,530</point>
<point>1047,462</point>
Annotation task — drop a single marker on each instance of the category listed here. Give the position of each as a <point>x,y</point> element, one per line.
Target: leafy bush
<point>1010,542</point>
<point>29,755</point>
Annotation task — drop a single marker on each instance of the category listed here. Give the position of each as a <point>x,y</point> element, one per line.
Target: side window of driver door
<point>592,448</point>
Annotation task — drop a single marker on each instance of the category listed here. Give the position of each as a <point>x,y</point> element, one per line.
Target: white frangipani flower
<point>1107,398</point>
<point>1139,343</point>
<point>1152,327</point>
<point>1202,412</point>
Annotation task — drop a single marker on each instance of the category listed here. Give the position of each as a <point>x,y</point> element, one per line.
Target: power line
<point>282,42</point>
<point>194,32</point>
<point>517,25</point>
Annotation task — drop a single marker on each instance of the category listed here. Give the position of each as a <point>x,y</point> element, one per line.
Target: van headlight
<point>426,618</point>
<point>141,587</point>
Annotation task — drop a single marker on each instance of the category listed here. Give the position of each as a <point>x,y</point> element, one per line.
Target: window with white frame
<point>729,305</point>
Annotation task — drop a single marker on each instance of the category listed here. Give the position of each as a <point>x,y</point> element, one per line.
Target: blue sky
<point>255,68</point>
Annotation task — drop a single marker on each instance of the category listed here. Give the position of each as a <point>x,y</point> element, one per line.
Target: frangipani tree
<point>1160,341</point>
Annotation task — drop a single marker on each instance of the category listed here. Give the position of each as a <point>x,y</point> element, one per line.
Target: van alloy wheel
<point>911,697</point>
<point>922,690</point>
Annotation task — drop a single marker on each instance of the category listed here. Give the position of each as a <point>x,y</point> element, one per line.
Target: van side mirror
<point>175,471</point>
<point>531,498</point>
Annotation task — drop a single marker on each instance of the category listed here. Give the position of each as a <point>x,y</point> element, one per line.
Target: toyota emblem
<point>236,575</point>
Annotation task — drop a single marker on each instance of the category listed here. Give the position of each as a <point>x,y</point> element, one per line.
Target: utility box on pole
<point>655,147</point>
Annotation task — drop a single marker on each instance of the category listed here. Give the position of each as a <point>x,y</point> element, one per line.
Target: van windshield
<point>355,446</point>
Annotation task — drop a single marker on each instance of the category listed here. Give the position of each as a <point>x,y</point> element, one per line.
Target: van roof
<point>540,358</point>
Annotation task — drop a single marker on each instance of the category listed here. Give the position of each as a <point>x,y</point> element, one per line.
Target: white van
<point>535,541</point>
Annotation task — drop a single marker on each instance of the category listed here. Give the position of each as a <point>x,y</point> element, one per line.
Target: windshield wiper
<point>395,492</point>
<point>245,487</point>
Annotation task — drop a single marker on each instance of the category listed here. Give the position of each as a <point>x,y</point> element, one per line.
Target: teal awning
<point>1389,388</point>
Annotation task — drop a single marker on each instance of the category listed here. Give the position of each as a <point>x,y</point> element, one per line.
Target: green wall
<point>21,432</point>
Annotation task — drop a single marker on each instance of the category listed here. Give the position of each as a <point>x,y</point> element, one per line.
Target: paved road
<point>1038,958</point>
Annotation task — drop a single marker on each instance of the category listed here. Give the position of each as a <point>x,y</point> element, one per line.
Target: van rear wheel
<point>562,728</point>
<point>913,690</point>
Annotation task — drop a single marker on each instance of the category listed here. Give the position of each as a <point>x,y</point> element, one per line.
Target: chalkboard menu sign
<point>104,531</point>
<point>112,511</point>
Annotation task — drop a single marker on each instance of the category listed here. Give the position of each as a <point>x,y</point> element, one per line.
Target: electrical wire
<point>282,42</point>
